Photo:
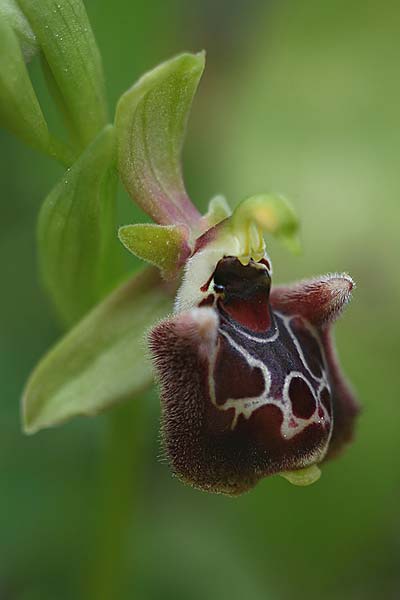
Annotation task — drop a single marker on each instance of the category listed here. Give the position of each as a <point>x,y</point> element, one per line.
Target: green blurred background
<point>301,98</point>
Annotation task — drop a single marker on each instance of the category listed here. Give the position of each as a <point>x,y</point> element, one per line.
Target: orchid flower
<point>249,379</point>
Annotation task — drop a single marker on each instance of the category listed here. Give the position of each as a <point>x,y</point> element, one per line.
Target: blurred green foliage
<point>300,98</point>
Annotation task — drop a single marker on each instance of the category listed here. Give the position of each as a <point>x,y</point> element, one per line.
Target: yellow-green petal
<point>164,246</point>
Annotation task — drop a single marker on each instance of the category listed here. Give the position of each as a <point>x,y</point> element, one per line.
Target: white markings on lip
<point>244,406</point>
<point>291,425</point>
<point>299,349</point>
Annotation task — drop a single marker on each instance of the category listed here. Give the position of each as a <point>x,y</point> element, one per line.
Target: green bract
<point>76,233</point>
<point>65,37</point>
<point>102,360</point>
<point>19,107</point>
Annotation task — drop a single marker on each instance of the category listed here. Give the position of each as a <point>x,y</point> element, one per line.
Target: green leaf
<point>76,231</point>
<point>66,39</point>
<point>102,360</point>
<point>10,12</point>
<point>151,120</point>
<point>164,246</point>
<point>19,107</point>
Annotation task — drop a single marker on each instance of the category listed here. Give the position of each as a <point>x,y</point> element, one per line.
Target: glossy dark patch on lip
<point>301,397</point>
<point>234,377</point>
<point>244,293</point>
<point>326,400</point>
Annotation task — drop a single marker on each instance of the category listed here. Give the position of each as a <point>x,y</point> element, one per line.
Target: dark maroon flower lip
<point>250,383</point>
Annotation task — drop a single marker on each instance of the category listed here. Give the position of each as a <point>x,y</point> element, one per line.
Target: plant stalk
<point>117,503</point>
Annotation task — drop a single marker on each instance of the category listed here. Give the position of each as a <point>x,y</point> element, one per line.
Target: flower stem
<point>107,570</point>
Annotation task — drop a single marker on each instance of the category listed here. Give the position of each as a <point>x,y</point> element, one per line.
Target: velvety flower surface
<point>250,383</point>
